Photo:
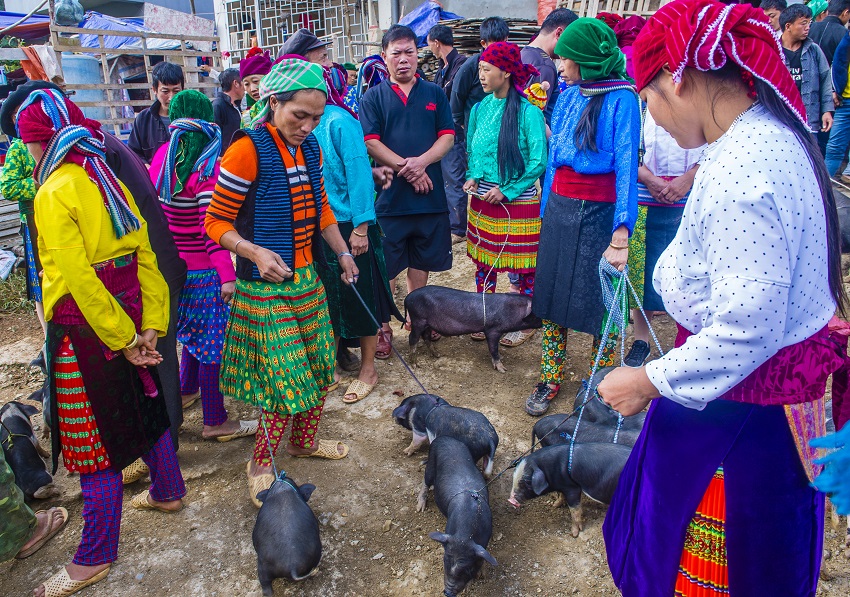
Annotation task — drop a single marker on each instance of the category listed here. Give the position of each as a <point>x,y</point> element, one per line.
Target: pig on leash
<point>429,417</point>
<point>286,534</point>
<point>462,497</point>
<point>553,430</point>
<point>595,472</point>
<point>23,452</point>
<point>451,312</point>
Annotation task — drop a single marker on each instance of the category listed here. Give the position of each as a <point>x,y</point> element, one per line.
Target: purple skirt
<point>774,520</point>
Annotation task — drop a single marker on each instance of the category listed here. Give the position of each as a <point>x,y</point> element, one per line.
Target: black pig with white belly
<point>23,452</point>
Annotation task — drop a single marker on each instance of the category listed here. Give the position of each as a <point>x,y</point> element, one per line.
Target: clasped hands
<point>142,352</point>
<point>413,171</point>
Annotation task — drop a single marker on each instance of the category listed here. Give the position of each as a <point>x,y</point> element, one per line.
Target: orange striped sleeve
<point>239,167</point>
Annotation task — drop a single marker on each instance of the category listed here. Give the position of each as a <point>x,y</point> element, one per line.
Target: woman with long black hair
<point>716,497</point>
<point>589,204</point>
<point>507,153</point>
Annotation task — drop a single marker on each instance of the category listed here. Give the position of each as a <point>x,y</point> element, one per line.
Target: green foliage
<point>13,294</point>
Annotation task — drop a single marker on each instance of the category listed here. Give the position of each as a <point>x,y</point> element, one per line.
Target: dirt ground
<point>374,542</point>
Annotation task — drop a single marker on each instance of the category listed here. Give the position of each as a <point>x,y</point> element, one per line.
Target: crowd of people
<point>266,231</point>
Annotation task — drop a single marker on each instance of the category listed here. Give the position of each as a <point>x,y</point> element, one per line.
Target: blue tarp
<point>35,27</point>
<point>425,16</point>
<point>96,20</point>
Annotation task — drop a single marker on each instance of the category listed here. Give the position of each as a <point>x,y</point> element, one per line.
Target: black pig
<point>595,472</point>
<point>453,312</point>
<point>558,429</point>
<point>286,534</point>
<point>23,452</point>
<point>462,498</point>
<point>429,417</point>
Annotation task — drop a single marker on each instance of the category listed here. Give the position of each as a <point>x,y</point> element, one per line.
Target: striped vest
<point>266,218</point>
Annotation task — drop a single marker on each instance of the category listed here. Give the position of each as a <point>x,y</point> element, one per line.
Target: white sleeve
<point>749,267</point>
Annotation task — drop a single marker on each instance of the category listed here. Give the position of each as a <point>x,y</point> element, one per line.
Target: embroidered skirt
<point>505,235</point>
<point>279,347</point>
<point>33,281</point>
<point>573,237</point>
<point>202,316</point>
<point>347,314</point>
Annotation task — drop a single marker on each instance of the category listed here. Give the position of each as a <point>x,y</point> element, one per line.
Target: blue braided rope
<point>204,165</point>
<point>69,137</point>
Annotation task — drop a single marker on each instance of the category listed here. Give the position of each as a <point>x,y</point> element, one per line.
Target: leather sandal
<point>50,532</point>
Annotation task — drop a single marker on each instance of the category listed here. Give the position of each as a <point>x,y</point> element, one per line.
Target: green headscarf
<point>818,6</point>
<point>189,104</point>
<point>592,45</point>
<point>290,74</point>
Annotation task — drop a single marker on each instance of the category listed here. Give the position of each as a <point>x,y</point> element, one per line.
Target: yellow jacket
<point>75,232</point>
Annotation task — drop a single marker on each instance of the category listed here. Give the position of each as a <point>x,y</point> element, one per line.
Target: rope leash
<point>498,257</point>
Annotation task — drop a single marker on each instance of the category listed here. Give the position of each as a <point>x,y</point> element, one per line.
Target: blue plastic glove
<point>835,478</point>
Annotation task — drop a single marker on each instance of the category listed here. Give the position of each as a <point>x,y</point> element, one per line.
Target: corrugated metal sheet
<point>10,224</point>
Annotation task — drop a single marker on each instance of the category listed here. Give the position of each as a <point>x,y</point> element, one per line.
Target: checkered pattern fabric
<point>289,74</point>
<point>166,479</point>
<point>102,495</point>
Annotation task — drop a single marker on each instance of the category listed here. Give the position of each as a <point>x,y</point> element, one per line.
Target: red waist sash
<point>585,187</point>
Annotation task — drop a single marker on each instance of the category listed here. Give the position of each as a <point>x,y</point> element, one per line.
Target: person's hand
<point>675,190</point>
<point>412,168</point>
<point>618,257</point>
<point>627,390</point>
<point>227,290</point>
<point>270,265</point>
<point>350,273</point>
<point>383,176</point>
<point>140,356</point>
<point>655,185</point>
<point>836,99</point>
<point>147,341</point>
<point>470,187</point>
<point>359,244</point>
<point>826,122</point>
<point>493,196</point>
<point>206,68</point>
<point>423,185</point>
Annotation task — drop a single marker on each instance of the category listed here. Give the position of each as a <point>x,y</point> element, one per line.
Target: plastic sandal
<point>327,449</point>
<point>190,399</point>
<point>360,389</point>
<point>478,336</point>
<point>140,502</point>
<point>61,585</point>
<point>515,338</point>
<point>385,345</point>
<point>257,485</point>
<point>135,471</point>
<point>246,429</point>
<point>52,530</point>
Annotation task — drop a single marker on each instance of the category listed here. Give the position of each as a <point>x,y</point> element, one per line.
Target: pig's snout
<point>513,502</point>
<point>448,593</point>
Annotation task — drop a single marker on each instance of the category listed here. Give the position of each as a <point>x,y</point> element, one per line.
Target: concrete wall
<point>471,9</point>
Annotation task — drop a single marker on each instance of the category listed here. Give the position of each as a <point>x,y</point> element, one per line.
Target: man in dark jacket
<point>839,139</point>
<point>539,54</point>
<point>228,116</point>
<point>131,171</point>
<point>150,131</point>
<point>441,41</point>
<point>829,32</point>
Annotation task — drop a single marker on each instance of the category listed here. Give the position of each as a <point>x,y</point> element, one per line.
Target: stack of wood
<point>467,34</point>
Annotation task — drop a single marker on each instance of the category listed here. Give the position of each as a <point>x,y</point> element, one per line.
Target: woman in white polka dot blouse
<point>716,495</point>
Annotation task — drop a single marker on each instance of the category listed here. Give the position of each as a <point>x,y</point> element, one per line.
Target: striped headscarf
<point>290,74</point>
<point>194,146</point>
<point>47,116</point>
<point>372,72</point>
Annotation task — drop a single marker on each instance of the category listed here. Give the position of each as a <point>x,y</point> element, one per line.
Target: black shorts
<point>420,241</point>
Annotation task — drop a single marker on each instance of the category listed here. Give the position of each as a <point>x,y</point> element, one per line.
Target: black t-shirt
<point>795,65</point>
<point>409,128</point>
<point>548,72</point>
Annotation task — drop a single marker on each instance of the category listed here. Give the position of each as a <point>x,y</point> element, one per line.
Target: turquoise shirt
<point>485,123</point>
<point>347,170</point>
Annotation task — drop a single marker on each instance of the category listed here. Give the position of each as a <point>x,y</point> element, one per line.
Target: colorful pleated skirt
<point>505,235</point>
<point>279,347</point>
<point>202,316</point>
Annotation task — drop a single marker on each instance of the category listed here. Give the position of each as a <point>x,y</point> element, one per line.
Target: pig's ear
<point>538,481</point>
<point>262,495</point>
<point>28,410</point>
<point>306,491</point>
<point>402,410</point>
<point>439,537</point>
<point>485,555</point>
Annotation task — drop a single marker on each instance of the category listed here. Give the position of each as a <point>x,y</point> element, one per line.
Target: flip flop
<point>515,338</point>
<point>257,485</point>
<point>360,389</point>
<point>190,399</point>
<point>135,471</point>
<point>51,532</point>
<point>327,449</point>
<point>62,585</point>
<point>246,429</point>
<point>140,502</point>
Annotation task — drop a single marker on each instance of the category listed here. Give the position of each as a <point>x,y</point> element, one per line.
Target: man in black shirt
<point>407,125</point>
<point>829,32</point>
<point>150,131</point>
<point>539,54</point>
<point>226,105</point>
<point>441,41</point>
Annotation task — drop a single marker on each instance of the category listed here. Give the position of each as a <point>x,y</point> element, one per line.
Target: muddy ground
<point>375,543</point>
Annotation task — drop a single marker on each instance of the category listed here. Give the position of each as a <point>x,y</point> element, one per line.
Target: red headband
<point>704,35</point>
<point>506,56</point>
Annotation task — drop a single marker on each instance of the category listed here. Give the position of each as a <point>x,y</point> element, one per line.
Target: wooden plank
<point>114,102</point>
<point>143,34</point>
<point>133,52</point>
<point>12,54</point>
<point>89,86</point>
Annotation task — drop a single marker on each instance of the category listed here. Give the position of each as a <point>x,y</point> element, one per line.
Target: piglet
<point>553,430</point>
<point>430,416</point>
<point>462,497</point>
<point>286,534</point>
<point>23,452</point>
<point>595,472</point>
<point>453,312</point>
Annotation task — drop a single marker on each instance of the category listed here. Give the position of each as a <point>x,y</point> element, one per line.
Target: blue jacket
<point>840,63</point>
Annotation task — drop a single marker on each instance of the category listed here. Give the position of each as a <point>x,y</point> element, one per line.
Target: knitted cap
<point>538,94</point>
